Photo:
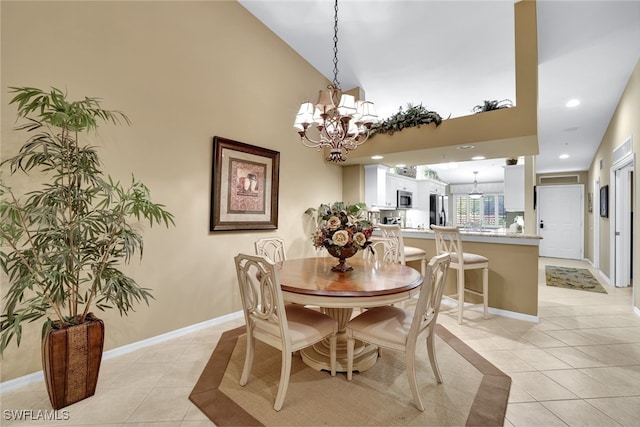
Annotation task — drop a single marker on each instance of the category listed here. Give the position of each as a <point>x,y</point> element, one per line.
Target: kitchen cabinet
<point>426,187</point>
<point>375,187</point>
<point>381,186</point>
<point>514,188</point>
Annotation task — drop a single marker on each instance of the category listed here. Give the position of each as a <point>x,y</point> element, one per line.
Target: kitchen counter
<point>501,236</point>
<point>513,267</point>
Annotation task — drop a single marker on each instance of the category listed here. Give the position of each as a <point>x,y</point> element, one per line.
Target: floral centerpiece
<point>343,230</point>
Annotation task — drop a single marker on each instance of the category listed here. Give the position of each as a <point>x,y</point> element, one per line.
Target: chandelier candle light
<point>342,122</point>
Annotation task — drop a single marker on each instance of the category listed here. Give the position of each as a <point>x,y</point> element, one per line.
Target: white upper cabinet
<point>381,187</point>
<point>375,189</point>
<point>514,188</point>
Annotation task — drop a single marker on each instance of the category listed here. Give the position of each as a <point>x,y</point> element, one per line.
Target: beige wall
<point>183,72</point>
<point>624,124</point>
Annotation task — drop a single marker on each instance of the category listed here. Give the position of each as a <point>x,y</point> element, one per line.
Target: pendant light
<point>475,192</point>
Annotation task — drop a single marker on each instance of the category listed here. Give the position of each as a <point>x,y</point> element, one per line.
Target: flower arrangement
<point>342,229</point>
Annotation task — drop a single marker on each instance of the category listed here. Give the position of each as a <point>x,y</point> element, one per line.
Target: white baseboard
<point>498,312</point>
<point>25,380</point>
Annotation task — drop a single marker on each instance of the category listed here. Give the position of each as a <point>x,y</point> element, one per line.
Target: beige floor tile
<point>540,386</point>
<point>569,337</point>
<point>624,380</point>
<point>162,353</point>
<point>197,352</point>
<point>612,335</point>
<point>114,405</point>
<point>542,339</point>
<point>194,414</point>
<point>581,384</point>
<point>579,413</point>
<point>574,357</point>
<point>163,404</point>
<point>518,395</point>
<point>582,322</point>
<point>532,415</point>
<point>540,359</point>
<point>610,355</point>
<point>196,423</point>
<point>624,410</point>
<point>141,375</point>
<point>181,375</point>
<point>506,361</point>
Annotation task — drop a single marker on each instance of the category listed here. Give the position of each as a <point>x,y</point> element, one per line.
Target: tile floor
<point>580,366</point>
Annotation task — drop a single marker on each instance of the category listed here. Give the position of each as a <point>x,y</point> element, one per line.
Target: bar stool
<point>448,241</point>
<point>407,253</point>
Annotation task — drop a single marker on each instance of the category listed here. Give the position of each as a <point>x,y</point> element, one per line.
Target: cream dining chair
<point>383,249</point>
<point>288,328</point>
<point>406,253</point>
<point>272,248</point>
<point>397,329</point>
<point>448,241</point>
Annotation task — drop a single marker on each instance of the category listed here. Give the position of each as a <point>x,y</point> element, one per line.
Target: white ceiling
<point>452,55</point>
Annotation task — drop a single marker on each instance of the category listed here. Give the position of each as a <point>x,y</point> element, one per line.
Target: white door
<point>560,214</point>
<point>622,227</point>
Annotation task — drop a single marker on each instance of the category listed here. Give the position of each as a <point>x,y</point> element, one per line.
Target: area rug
<point>572,278</point>
<point>474,392</point>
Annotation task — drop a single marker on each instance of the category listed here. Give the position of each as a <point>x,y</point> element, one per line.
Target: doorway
<point>560,220</point>
<point>622,222</point>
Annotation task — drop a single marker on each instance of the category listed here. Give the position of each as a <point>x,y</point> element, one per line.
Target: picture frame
<point>244,186</point>
<point>604,201</point>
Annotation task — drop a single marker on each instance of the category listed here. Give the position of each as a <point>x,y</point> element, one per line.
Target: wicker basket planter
<point>71,361</point>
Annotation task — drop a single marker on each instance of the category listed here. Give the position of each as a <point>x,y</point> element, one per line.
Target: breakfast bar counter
<point>513,267</point>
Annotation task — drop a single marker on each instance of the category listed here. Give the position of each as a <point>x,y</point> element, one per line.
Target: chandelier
<point>475,192</point>
<point>343,123</point>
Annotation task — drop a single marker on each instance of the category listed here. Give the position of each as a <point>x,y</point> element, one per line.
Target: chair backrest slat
<point>272,248</point>
<point>383,249</point>
<point>393,231</point>
<point>262,299</point>
<point>428,305</point>
<point>448,241</point>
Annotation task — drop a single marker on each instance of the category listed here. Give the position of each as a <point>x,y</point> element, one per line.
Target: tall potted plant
<point>62,245</point>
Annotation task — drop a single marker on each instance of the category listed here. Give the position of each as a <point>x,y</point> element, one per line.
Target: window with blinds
<point>487,211</point>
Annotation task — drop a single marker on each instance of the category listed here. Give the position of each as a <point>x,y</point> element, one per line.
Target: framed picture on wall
<point>244,186</point>
<point>604,201</point>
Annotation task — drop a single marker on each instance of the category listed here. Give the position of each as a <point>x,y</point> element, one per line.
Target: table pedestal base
<point>318,355</point>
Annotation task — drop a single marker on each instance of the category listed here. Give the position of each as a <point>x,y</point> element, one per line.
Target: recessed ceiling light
<point>401,165</point>
<point>563,156</point>
<point>377,157</point>
<point>478,158</point>
<point>465,147</point>
<point>573,103</point>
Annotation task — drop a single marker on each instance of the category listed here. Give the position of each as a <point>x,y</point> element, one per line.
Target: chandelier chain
<point>336,83</point>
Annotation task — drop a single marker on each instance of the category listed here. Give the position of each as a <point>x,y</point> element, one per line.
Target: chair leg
<point>410,354</point>
<point>248,359</point>
<point>350,347</point>
<point>285,372</point>
<point>460,294</point>
<point>432,357</point>
<point>485,289</point>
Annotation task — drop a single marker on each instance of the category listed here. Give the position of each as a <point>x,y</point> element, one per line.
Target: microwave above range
<point>404,199</point>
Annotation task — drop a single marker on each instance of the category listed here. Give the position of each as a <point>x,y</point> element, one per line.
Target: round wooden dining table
<point>371,283</point>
